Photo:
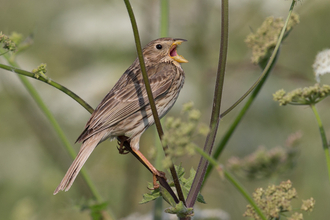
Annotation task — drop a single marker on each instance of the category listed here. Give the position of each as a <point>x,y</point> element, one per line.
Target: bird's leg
<point>124,148</point>
<point>152,169</point>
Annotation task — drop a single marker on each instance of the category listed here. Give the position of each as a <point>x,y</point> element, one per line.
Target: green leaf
<point>186,185</point>
<point>200,198</point>
<point>147,197</point>
<point>180,170</point>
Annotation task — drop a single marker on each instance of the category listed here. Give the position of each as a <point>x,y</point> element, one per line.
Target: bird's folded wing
<point>127,97</point>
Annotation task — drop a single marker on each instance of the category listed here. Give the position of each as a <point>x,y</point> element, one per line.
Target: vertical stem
<point>158,206</point>
<point>158,209</point>
<point>200,173</point>
<point>149,92</point>
<point>323,137</point>
<point>164,14</point>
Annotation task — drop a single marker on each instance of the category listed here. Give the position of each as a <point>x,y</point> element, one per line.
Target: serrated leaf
<point>179,170</point>
<point>190,180</point>
<point>200,198</point>
<point>147,197</point>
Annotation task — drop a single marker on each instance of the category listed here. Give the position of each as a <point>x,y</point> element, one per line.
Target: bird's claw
<point>154,179</point>
<point>122,149</point>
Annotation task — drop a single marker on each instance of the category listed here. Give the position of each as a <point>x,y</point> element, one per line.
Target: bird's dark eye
<point>159,46</point>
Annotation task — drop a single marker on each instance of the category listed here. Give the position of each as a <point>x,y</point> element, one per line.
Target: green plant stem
<point>231,179</point>
<point>150,97</point>
<point>230,131</point>
<point>323,137</point>
<point>270,61</point>
<point>33,92</point>
<point>164,13</point>
<point>158,207</point>
<point>49,82</point>
<point>214,122</point>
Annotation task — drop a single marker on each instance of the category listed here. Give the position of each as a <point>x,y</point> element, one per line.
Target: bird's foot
<point>122,148</point>
<point>154,178</point>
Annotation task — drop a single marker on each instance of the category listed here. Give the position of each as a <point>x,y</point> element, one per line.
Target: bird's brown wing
<point>127,97</point>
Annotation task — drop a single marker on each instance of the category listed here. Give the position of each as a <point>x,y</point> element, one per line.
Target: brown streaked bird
<point>125,111</point>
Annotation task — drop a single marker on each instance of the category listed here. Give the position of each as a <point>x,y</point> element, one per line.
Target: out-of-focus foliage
<point>180,133</point>
<point>265,163</point>
<point>264,40</point>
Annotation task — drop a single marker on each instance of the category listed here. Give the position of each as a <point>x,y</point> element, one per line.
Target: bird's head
<point>163,50</point>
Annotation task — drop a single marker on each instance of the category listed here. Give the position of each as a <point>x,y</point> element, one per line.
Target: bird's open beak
<point>173,54</point>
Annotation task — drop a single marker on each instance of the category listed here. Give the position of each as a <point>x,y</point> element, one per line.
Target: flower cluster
<point>264,40</point>
<point>302,96</point>
<point>265,163</point>
<point>41,70</point>
<point>179,133</point>
<point>321,64</point>
<point>7,43</point>
<point>10,43</point>
<point>276,200</point>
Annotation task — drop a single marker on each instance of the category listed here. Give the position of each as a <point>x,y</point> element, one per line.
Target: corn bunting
<point>125,113</point>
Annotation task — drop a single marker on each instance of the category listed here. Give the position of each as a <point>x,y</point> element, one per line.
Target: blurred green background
<point>87,45</point>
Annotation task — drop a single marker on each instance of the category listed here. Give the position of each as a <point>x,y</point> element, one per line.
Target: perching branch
<point>149,92</point>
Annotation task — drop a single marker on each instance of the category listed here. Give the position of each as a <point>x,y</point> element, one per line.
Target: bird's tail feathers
<point>85,151</point>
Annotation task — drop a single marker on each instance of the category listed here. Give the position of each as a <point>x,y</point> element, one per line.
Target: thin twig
<point>49,82</point>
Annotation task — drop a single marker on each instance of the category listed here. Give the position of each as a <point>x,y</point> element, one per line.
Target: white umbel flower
<point>321,64</point>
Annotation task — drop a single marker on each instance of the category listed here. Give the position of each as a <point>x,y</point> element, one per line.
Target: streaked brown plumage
<point>125,110</point>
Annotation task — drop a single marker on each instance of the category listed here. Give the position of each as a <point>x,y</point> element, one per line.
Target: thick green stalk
<point>33,92</point>
<point>231,179</point>
<point>50,82</point>
<point>214,122</point>
<point>164,13</point>
<point>230,131</point>
<point>149,92</point>
<point>323,137</point>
